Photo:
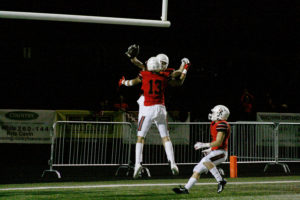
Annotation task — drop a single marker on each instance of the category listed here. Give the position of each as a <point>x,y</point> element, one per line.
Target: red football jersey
<point>154,86</point>
<point>220,126</point>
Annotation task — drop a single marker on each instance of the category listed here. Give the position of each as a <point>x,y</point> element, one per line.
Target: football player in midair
<point>152,109</point>
<point>170,75</point>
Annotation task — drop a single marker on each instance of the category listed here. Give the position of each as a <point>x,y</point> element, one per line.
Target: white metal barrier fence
<point>252,142</point>
<point>246,142</point>
<point>110,143</point>
<point>85,143</point>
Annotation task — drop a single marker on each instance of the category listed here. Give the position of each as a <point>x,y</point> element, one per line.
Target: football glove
<point>133,51</point>
<point>201,145</point>
<point>185,60</point>
<point>187,65</point>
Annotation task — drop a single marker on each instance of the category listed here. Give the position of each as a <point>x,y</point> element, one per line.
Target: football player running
<point>215,152</point>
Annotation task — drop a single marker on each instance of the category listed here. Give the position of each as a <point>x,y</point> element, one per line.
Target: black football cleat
<point>181,190</point>
<point>221,185</point>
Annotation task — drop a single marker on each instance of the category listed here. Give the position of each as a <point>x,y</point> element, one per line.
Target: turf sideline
<point>136,185</point>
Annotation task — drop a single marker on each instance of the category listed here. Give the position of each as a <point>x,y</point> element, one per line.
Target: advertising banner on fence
<point>288,134</point>
<point>87,115</point>
<point>86,130</point>
<point>26,126</point>
<point>277,117</point>
<point>179,134</point>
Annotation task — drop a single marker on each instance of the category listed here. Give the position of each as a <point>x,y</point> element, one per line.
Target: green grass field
<point>258,188</point>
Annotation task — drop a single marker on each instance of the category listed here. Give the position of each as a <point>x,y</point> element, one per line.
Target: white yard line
<point>137,185</point>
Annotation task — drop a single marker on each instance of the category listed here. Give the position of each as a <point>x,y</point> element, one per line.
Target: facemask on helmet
<point>219,112</point>
<point>154,65</point>
<point>164,60</point>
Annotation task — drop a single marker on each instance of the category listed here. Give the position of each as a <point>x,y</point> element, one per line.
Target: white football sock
<point>215,172</point>
<point>141,155</point>
<point>169,151</point>
<point>138,152</point>
<point>190,183</point>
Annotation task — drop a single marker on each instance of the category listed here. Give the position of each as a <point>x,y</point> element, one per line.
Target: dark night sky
<point>232,45</point>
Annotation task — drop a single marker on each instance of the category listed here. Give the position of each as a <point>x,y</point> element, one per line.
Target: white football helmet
<point>219,112</point>
<point>164,60</point>
<point>154,65</point>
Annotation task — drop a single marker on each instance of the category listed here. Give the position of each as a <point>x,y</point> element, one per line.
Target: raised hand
<point>133,51</point>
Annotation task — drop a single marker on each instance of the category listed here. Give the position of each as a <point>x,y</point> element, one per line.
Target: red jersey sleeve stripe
<point>222,127</point>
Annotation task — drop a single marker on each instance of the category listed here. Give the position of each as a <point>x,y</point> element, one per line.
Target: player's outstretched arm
<point>185,63</point>
<point>138,63</point>
<point>185,69</point>
<point>182,71</point>
<point>129,83</point>
<point>175,82</point>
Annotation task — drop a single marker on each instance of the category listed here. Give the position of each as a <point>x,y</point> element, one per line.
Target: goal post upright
<point>164,11</point>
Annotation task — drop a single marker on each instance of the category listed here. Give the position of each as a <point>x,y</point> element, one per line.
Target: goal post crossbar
<point>89,19</point>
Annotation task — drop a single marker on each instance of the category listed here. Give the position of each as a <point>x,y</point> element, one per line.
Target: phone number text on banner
<point>26,126</point>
